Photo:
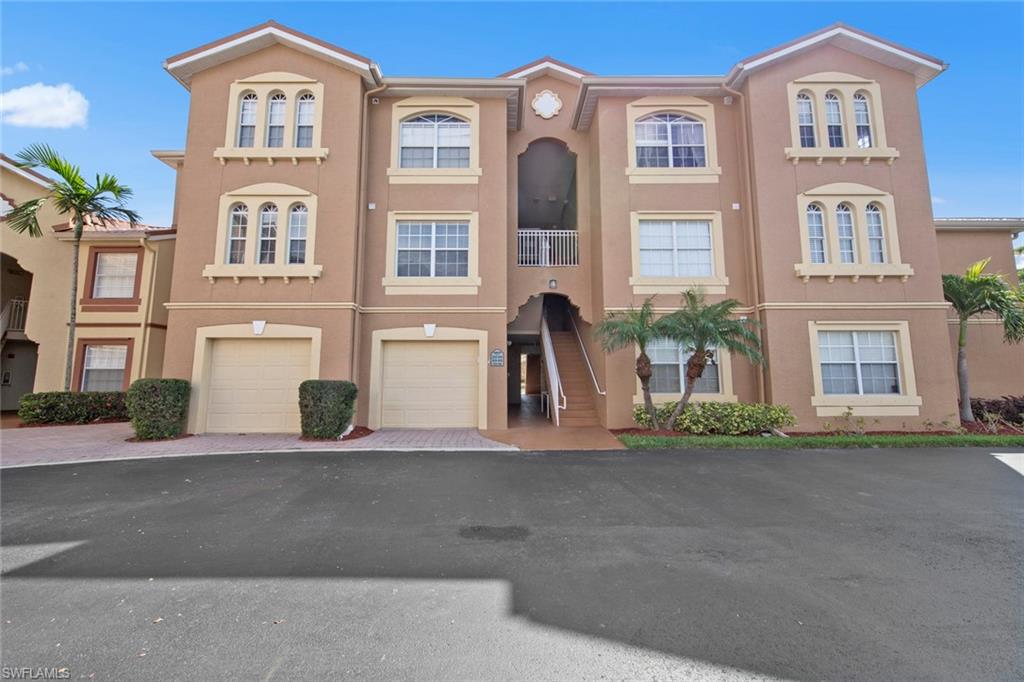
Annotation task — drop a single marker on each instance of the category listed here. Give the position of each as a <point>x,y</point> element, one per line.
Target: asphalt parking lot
<point>809,565</point>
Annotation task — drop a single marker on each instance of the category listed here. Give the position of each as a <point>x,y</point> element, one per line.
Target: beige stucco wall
<point>49,261</point>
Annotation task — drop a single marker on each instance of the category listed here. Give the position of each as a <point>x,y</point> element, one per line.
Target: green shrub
<point>730,419</point>
<point>158,407</point>
<point>67,407</point>
<point>326,407</point>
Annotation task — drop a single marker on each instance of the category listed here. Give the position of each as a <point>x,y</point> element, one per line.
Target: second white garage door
<point>430,384</point>
<point>253,385</point>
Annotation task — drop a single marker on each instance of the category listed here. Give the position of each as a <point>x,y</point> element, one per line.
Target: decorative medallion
<point>547,104</point>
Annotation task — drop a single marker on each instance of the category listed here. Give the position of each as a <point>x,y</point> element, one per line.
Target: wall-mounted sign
<point>497,358</point>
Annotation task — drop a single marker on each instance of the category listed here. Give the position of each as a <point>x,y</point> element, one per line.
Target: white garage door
<point>430,384</point>
<point>253,385</point>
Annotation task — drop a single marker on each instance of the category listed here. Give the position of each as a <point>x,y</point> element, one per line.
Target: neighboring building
<point>444,241</point>
<point>996,368</point>
<point>124,280</point>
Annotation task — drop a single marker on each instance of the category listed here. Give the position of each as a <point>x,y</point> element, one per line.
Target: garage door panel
<point>430,384</point>
<point>254,385</point>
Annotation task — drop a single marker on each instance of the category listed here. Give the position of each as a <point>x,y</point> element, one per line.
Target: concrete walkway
<point>59,444</point>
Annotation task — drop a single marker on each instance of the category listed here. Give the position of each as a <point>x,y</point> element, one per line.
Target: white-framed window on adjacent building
<point>668,364</point>
<point>266,254</point>
<point>305,119</point>
<point>816,238</point>
<point>434,141</point>
<point>845,232</point>
<point>876,233</point>
<point>247,106</point>
<point>432,249</point>
<point>676,248</point>
<point>277,107</point>
<point>805,120</point>
<point>861,362</point>
<point>834,120</point>
<point>298,223</point>
<point>104,367</point>
<point>862,120</point>
<point>238,225</point>
<point>115,275</point>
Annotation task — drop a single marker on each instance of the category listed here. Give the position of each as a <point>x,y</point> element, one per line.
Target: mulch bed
<point>357,432</point>
<point>134,439</point>
<point>23,425</point>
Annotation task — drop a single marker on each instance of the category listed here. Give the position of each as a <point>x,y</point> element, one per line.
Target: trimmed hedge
<point>728,419</point>
<point>158,407</point>
<point>69,407</point>
<point>326,407</point>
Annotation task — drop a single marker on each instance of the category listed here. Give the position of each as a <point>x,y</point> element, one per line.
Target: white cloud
<point>20,67</point>
<point>44,106</point>
<point>938,200</point>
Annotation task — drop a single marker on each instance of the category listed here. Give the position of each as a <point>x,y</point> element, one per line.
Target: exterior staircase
<point>576,382</point>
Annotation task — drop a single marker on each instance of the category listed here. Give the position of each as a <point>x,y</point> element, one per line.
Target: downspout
<point>748,221</point>
<point>151,286</point>
<point>361,219</point>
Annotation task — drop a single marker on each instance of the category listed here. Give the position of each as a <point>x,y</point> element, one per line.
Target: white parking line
<point>1014,460</point>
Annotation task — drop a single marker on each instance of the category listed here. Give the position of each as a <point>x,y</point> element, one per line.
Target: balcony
<point>547,248</point>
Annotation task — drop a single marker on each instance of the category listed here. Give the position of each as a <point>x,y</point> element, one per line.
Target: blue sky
<point>112,54</point>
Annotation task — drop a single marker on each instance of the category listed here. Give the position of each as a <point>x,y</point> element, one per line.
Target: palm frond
<point>44,156</point>
<point>25,217</point>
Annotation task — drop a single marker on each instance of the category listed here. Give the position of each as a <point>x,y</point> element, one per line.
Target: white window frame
<point>858,363</point>
<point>97,275</point>
<point>847,243</point>
<point>862,121</point>
<point>815,208</point>
<point>294,210</point>
<point>438,118</point>
<point>834,120</point>
<point>671,120</point>
<point>305,109</point>
<point>802,99</point>
<point>237,217</point>
<point>682,356</point>
<point>248,114</point>
<point>676,248</point>
<point>267,233</point>
<point>433,249</point>
<point>277,116</point>
<point>875,226</point>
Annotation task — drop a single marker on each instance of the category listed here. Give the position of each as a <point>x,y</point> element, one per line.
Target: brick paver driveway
<point>51,444</point>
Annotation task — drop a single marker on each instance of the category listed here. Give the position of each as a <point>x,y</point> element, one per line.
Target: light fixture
<point>552,284</point>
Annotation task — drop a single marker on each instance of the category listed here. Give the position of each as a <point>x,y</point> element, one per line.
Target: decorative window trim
<point>715,284</point>
<point>726,393</point>
<point>858,196</point>
<point>292,86</point>
<point>79,367</point>
<point>432,286</point>
<point>111,305</point>
<point>906,404</point>
<point>254,197</point>
<point>845,86</point>
<point>695,107</point>
<point>465,109</point>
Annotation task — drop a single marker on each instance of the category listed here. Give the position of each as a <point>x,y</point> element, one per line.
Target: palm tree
<point>974,293</point>
<point>70,195</point>
<point>703,328</point>
<point>634,328</point>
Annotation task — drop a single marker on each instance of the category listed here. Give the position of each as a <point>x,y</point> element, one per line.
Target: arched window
<point>247,119</point>
<point>844,232</point>
<point>238,223</point>
<point>862,116</point>
<point>805,119</point>
<point>434,141</point>
<point>298,222</point>
<point>834,120</point>
<point>876,233</point>
<point>816,234</point>
<point>275,120</point>
<point>305,109</point>
<point>268,234</point>
<point>670,141</point>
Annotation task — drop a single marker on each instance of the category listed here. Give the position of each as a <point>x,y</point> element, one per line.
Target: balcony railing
<point>548,248</point>
<point>12,317</point>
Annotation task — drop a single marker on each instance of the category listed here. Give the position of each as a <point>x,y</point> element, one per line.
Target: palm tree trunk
<point>966,414</point>
<point>644,372</point>
<point>73,317</point>
<point>694,370</point>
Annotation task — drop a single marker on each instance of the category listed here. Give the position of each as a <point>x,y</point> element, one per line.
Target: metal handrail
<point>12,318</point>
<point>583,348</point>
<point>547,248</point>
<point>558,398</point>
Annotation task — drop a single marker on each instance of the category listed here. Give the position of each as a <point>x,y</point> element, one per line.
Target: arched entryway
<point>547,206</point>
<point>19,353</point>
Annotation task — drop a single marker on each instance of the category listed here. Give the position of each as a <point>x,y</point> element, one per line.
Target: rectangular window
<point>844,230</point>
<point>103,368</point>
<point>115,275</point>
<point>247,122</point>
<point>304,117</point>
<point>275,122</point>
<point>452,145</point>
<point>805,120</point>
<point>297,225</point>
<point>668,363</point>
<point>432,249</point>
<point>876,236</point>
<point>675,248</point>
<point>859,362</point>
<point>268,236</point>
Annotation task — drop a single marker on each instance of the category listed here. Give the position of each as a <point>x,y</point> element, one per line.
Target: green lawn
<point>915,440</point>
